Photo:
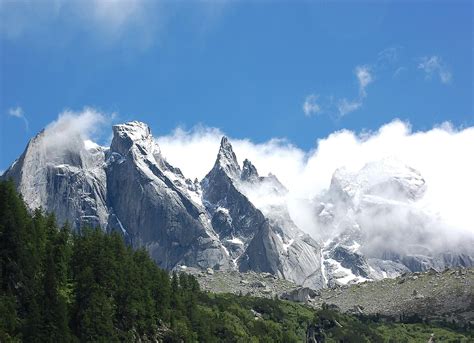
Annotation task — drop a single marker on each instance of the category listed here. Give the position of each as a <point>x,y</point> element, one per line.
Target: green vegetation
<point>332,326</point>
<point>58,286</point>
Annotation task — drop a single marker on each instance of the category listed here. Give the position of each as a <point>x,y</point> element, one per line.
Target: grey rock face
<point>70,183</point>
<point>267,242</point>
<point>300,294</point>
<point>234,218</point>
<point>154,211</point>
<point>249,172</point>
<point>129,188</point>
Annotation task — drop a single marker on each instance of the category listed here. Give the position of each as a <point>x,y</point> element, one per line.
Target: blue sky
<point>254,69</point>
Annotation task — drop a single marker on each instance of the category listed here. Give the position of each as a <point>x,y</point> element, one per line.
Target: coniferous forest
<point>61,286</point>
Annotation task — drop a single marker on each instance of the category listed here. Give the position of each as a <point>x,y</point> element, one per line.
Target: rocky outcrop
<point>301,294</point>
<point>257,240</point>
<point>153,210</point>
<point>68,182</point>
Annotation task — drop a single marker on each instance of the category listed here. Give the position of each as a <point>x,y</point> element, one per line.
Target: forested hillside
<point>60,286</point>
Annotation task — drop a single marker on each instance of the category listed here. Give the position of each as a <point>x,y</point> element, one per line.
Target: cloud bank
<point>439,154</point>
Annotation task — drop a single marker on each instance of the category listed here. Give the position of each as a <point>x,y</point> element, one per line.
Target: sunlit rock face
<point>127,188</point>
<point>156,205</point>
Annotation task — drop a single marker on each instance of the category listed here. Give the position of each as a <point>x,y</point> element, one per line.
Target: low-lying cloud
<point>439,154</point>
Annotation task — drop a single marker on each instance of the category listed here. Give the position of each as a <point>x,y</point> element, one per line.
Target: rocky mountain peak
<point>388,178</point>
<point>226,159</point>
<point>134,129</point>
<point>249,172</point>
<point>132,133</point>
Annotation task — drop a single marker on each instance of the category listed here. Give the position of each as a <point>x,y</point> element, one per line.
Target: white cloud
<point>364,77</point>
<point>388,56</point>
<point>339,107</point>
<point>434,65</point>
<point>439,154</point>
<point>111,17</point>
<point>345,106</point>
<point>17,112</point>
<point>71,129</point>
<point>310,105</point>
<point>138,24</point>
<point>195,152</point>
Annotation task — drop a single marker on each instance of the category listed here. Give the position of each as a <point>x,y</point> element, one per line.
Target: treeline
<point>58,286</point>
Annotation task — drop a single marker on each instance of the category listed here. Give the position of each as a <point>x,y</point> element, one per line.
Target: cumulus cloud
<point>434,65</point>
<point>310,105</point>
<point>17,112</point>
<point>439,154</point>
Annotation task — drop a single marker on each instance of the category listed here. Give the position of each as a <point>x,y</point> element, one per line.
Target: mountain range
<point>369,224</point>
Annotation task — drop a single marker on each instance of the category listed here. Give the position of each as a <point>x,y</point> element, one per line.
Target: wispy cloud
<point>140,23</point>
<point>340,106</point>
<point>345,106</point>
<point>111,19</point>
<point>434,65</point>
<point>17,112</point>
<point>388,61</point>
<point>310,105</point>
<point>365,78</point>
<point>388,56</point>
